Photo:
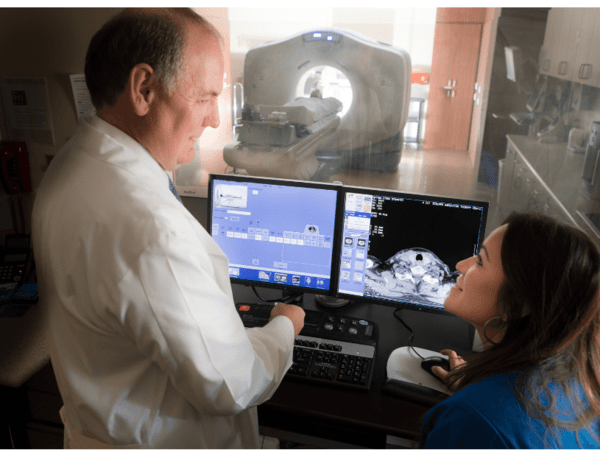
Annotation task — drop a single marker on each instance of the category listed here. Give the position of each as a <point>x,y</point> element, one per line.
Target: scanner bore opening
<point>330,81</point>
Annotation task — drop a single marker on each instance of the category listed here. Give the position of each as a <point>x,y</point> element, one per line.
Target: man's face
<point>176,121</point>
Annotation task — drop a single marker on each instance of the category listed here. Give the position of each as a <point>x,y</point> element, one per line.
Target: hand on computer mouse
<point>454,361</point>
<point>434,362</point>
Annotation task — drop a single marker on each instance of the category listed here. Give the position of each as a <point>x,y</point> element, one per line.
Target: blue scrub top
<point>488,415</point>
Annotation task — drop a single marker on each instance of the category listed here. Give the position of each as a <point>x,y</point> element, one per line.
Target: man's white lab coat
<point>146,344</point>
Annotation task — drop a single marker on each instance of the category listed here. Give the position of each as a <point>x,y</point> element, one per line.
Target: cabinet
<point>549,51</point>
<point>571,49</point>
<point>522,189</point>
<point>586,68</point>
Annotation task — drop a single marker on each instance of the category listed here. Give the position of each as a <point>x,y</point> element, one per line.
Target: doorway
<point>456,51</point>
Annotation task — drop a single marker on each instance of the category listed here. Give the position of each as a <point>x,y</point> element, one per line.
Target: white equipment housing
<point>368,137</point>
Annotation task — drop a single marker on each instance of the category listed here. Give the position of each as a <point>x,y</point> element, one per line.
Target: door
<point>452,81</point>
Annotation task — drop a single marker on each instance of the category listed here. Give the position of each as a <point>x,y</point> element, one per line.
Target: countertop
<point>23,347</point>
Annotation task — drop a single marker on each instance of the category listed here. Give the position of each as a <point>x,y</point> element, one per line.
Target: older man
<point>145,341</point>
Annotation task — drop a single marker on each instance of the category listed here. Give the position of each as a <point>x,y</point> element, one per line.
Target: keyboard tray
<point>331,348</point>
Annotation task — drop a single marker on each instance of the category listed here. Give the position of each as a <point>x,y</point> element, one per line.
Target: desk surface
<point>359,417</point>
<point>23,351</point>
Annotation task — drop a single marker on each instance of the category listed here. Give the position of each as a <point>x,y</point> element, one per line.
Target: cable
<point>292,298</point>
<point>260,298</point>
<point>412,334</point>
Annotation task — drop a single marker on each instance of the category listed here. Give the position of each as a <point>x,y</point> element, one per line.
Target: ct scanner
<point>284,135</point>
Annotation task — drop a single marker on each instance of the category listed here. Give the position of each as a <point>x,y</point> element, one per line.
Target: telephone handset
<point>14,170</point>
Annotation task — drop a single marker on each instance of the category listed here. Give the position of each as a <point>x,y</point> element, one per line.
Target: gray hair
<point>155,37</point>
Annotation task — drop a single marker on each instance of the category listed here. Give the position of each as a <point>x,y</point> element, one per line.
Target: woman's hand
<point>455,361</point>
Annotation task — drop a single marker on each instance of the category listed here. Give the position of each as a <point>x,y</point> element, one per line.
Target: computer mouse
<point>427,365</point>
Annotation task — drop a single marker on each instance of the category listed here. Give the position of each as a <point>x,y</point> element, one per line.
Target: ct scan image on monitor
<point>401,249</point>
<point>276,233</point>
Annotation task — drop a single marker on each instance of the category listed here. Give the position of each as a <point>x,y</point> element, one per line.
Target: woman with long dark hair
<point>533,295</point>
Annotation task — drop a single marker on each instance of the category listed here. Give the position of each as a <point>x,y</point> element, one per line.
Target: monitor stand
<point>330,302</point>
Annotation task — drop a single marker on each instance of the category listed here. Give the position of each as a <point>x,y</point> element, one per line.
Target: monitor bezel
<point>286,182</point>
<point>426,197</point>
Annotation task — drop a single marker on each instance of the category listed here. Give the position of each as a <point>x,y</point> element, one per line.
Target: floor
<point>440,172</point>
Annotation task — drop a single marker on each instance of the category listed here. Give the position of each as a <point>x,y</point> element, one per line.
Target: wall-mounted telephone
<point>16,296</point>
<point>14,170</point>
<point>15,259</point>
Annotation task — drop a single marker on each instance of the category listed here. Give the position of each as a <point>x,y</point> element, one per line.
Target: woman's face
<point>474,297</point>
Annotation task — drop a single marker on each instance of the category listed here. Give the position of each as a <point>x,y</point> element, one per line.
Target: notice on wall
<point>27,108</point>
<point>83,100</point>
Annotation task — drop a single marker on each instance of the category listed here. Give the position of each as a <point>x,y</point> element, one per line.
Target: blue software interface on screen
<point>275,233</point>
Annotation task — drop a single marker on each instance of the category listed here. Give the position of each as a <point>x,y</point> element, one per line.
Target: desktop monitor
<point>401,249</point>
<point>276,233</point>
<point>514,63</point>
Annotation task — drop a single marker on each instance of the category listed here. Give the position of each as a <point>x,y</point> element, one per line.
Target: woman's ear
<point>141,88</point>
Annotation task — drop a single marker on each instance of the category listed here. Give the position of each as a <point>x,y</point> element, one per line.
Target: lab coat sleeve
<point>179,310</point>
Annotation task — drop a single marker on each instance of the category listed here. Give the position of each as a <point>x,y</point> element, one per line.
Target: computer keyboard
<point>331,348</point>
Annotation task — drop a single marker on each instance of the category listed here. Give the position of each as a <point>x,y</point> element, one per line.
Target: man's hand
<point>455,361</point>
<point>292,312</point>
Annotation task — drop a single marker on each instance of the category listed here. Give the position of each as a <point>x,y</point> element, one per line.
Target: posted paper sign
<point>83,100</point>
<point>28,109</point>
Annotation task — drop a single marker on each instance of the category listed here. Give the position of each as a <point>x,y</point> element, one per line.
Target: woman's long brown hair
<point>550,302</point>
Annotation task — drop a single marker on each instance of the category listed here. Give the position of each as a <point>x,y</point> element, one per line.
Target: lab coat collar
<point>136,158</point>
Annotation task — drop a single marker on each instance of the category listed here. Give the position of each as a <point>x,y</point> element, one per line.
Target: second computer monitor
<point>401,249</point>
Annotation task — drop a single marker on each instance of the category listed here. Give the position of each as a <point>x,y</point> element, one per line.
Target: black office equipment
<point>16,258</point>
<point>16,300</point>
<point>331,348</point>
<point>428,364</point>
<point>401,249</point>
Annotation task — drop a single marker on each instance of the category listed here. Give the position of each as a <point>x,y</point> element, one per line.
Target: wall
<point>52,43</point>
<point>411,29</point>
<point>408,28</point>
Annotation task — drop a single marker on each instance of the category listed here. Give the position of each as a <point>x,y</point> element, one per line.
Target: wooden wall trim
<point>461,15</point>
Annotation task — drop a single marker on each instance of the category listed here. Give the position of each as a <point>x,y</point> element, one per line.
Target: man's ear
<point>142,88</point>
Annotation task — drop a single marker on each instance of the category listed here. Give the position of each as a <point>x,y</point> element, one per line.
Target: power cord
<point>412,334</point>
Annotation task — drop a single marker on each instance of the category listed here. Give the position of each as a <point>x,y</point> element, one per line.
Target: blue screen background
<point>280,216</point>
